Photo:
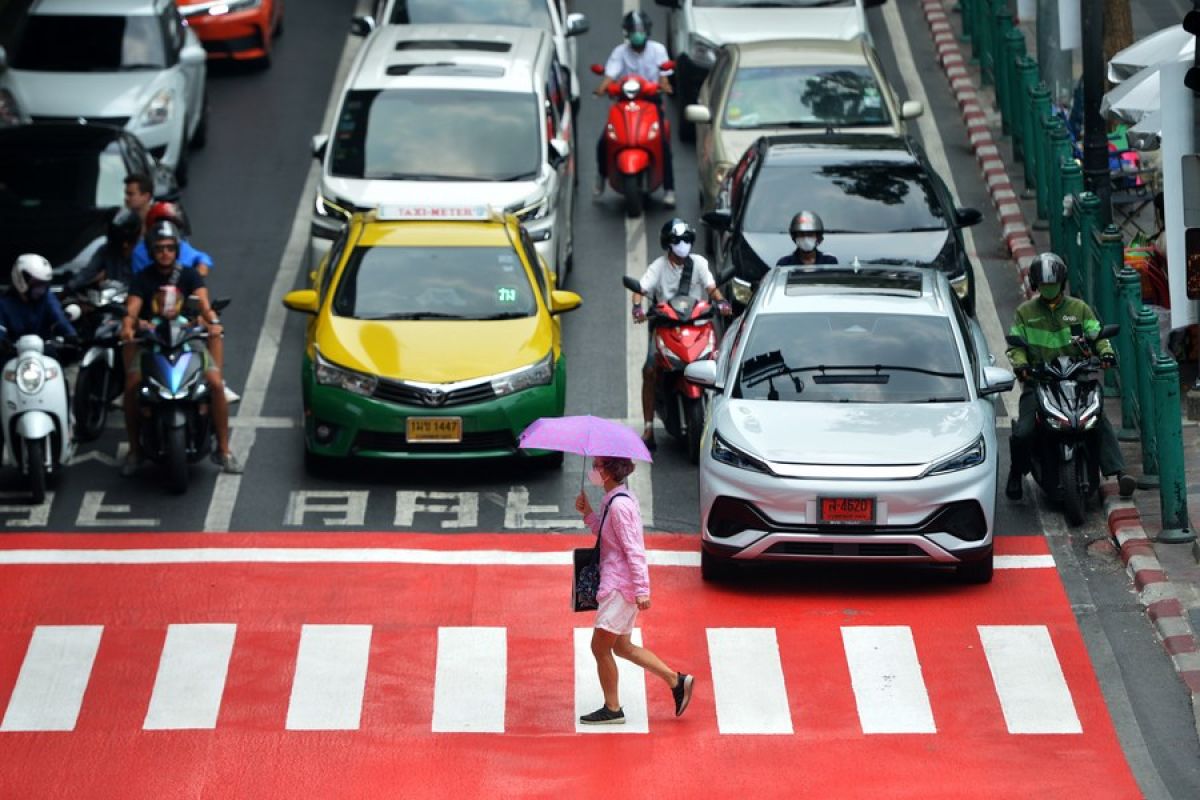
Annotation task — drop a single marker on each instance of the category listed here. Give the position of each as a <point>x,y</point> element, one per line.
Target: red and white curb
<point>1014,228</point>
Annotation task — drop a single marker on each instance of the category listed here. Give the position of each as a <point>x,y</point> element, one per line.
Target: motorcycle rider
<point>807,232</point>
<point>163,242</point>
<point>29,307</point>
<point>112,261</point>
<point>189,256</point>
<point>661,281</point>
<point>1051,324</point>
<point>642,56</point>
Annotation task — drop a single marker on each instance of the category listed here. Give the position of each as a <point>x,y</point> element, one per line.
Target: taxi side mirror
<point>561,301</point>
<point>303,300</point>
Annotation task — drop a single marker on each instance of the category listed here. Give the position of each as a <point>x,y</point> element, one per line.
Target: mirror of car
<point>702,373</point>
<point>303,300</point>
<point>319,143</point>
<point>362,24</point>
<point>577,24</point>
<point>966,217</point>
<point>996,380</point>
<point>911,109</point>
<point>562,301</point>
<point>698,114</point>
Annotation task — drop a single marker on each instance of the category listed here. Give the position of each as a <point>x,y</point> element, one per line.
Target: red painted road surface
<point>392,750</point>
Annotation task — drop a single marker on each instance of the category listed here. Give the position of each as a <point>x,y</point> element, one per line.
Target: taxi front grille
<point>408,395</point>
<point>388,442</point>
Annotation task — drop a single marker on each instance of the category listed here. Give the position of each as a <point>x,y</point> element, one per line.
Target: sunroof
<point>862,278</point>
<point>479,45</point>
<point>447,68</point>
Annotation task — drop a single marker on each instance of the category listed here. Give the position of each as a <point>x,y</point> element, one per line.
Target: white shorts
<point>616,614</point>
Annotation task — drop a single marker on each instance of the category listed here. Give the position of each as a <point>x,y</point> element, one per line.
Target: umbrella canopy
<point>585,435</point>
<point>1169,44</point>
<point>1134,97</point>
<point>1147,134</point>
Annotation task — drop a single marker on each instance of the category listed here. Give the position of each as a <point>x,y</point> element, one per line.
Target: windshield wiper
<point>942,400</point>
<point>506,315</point>
<point>520,176</point>
<point>137,67</point>
<point>412,315</point>
<point>914,230</point>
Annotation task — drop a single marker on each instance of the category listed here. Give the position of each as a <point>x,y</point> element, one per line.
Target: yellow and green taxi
<point>433,334</point>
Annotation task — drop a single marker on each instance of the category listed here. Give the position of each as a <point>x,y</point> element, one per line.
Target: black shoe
<point>603,716</point>
<point>1126,484</point>
<point>1012,489</point>
<point>648,440</point>
<point>682,693</point>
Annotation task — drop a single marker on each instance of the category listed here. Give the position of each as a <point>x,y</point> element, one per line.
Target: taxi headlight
<point>966,458</point>
<point>961,286</point>
<point>742,292</point>
<point>330,374</point>
<point>539,374</point>
<point>538,209</point>
<point>29,376</point>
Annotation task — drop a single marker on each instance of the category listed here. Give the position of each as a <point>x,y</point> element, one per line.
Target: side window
<point>173,26</point>
<point>719,77</point>
<point>535,263</point>
<point>964,326</point>
<point>558,87</point>
<point>743,176</point>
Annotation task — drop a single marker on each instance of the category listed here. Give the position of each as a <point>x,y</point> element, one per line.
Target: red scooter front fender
<point>632,161</point>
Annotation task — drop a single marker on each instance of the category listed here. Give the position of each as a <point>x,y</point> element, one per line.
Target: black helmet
<point>160,231</point>
<point>124,227</point>
<point>1047,268</point>
<point>807,222</point>
<point>636,25</point>
<point>676,230</point>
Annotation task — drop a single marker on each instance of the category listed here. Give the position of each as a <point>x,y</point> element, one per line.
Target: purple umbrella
<point>586,435</point>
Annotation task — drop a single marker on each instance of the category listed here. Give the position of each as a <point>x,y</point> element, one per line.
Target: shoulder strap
<point>604,516</point>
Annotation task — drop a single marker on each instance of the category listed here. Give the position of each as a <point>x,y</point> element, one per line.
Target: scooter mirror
<point>597,69</point>
<point>1109,331</point>
<point>72,311</point>
<point>701,373</point>
<point>631,284</point>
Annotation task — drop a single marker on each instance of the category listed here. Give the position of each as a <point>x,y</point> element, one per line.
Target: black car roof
<point>55,135</point>
<point>838,148</point>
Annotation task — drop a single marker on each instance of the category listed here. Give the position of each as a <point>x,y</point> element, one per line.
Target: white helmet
<point>30,267</point>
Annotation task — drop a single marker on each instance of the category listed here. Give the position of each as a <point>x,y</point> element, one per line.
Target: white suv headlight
<point>968,457</point>
<point>158,110</point>
<point>539,374</point>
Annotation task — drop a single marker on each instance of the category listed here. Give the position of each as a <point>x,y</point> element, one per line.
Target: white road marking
<point>24,515</point>
<point>1029,680</point>
<point>471,682</point>
<point>331,674</point>
<point>631,682</point>
<point>343,508</point>
<point>53,678</point>
<point>461,507</point>
<point>92,507</point>
<point>517,510</point>
<point>191,677</point>
<point>886,675</point>
<point>747,677</point>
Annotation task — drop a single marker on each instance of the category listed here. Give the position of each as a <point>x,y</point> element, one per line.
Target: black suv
<point>878,197</point>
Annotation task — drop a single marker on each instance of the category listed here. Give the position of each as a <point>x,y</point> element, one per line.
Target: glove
<point>1109,359</point>
<point>725,309</point>
<point>1022,373</point>
<point>639,313</point>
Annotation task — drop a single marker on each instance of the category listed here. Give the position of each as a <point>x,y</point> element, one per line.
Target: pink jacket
<point>622,548</point>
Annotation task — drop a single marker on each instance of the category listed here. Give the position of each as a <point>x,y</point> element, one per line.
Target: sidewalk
<point>1166,577</point>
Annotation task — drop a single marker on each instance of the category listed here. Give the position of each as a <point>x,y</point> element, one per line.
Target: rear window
<point>396,283</point>
<point>54,43</point>
<point>526,13</point>
<point>54,179</point>
<point>859,197</point>
<point>805,97</point>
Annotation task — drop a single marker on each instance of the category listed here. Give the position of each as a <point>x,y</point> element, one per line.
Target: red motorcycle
<point>634,149</point>
<point>683,333</point>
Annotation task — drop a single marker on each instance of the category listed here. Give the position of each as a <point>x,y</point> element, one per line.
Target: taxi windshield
<point>434,283</point>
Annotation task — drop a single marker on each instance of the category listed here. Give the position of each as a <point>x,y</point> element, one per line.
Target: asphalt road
<point>249,202</point>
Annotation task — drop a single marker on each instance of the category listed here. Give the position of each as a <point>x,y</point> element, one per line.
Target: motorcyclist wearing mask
<point>163,243</point>
<point>113,261</point>
<point>661,282</point>
<point>807,231</point>
<point>1050,323</point>
<point>642,56</point>
<point>29,307</point>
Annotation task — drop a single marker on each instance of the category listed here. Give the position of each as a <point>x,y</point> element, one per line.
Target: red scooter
<point>634,140</point>
<point>683,333</point>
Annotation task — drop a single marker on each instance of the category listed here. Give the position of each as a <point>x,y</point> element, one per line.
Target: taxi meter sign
<point>399,212</point>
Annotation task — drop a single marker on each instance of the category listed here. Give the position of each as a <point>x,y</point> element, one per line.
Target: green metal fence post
<point>1088,208</point>
<point>1110,259</point>
<point>1072,185</point>
<point>974,34</point>
<point>1039,105</point>
<point>1000,29</point>
<point>1145,348</point>
<point>1060,156</point>
<point>1025,72</point>
<point>967,8</point>
<point>1014,48</point>
<point>987,24</point>
<point>1046,122</point>
<point>1129,297</point>
<point>1172,489</point>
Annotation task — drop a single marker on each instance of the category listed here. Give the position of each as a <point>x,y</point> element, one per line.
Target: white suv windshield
<point>53,43</point>
<point>848,357</point>
<point>526,13</point>
<point>437,135</point>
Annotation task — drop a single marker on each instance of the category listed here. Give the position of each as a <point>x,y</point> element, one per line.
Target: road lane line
<point>935,148</point>
<point>747,676</point>
<point>1029,679</point>
<point>54,675</point>
<point>471,681</point>
<point>191,677</point>
<point>589,697</point>
<point>886,676</point>
<point>331,673</point>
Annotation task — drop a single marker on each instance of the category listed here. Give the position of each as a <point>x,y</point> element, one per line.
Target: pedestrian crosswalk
<point>754,690</point>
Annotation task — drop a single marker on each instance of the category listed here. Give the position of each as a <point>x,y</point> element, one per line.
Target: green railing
<point>1146,380</point>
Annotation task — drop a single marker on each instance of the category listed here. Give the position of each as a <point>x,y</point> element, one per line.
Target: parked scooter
<point>683,333</point>
<point>1065,451</point>
<point>101,378</point>
<point>634,139</point>
<point>34,412</point>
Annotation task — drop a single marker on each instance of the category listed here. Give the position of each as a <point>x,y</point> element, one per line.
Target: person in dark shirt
<point>163,242</point>
<point>807,231</point>
<point>112,262</point>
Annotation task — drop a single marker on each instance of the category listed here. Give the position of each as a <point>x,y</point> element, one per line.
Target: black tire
<point>35,465</point>
<point>631,189</point>
<point>714,568</point>
<point>200,137</point>
<point>90,402</point>
<point>694,410</point>
<point>976,571</point>
<point>176,461</point>
<point>1071,478</point>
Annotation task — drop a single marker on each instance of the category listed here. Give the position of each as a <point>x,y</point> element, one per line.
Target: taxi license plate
<point>847,509</point>
<point>434,429</point>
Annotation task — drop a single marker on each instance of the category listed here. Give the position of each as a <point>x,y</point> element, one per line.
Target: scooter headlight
<point>30,377</point>
<point>631,89</point>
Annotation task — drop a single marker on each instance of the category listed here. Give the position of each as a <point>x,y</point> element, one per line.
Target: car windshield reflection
<point>805,97</point>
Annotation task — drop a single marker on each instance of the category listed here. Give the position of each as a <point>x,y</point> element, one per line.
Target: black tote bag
<point>586,573</point>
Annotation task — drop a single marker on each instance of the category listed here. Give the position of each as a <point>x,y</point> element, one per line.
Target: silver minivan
<point>454,116</point>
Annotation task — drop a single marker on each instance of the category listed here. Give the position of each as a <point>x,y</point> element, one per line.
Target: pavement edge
<point>1154,591</point>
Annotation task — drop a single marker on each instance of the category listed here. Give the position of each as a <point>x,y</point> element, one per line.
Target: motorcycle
<point>634,149</point>
<point>173,399</point>
<point>101,378</point>
<point>35,413</point>
<point>1065,448</point>
<point>683,332</point>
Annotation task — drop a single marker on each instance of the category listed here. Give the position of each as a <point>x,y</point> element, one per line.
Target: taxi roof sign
<point>394,212</point>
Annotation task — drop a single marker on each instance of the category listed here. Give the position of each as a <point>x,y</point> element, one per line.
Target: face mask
<point>595,477</point>
<point>1050,291</point>
<point>681,249</point>
<point>37,292</point>
<point>806,243</point>
<point>637,39</point>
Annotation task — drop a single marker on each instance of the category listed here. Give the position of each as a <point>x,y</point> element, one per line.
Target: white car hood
<point>741,24</point>
<point>84,94</point>
<point>372,193</point>
<point>849,434</point>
